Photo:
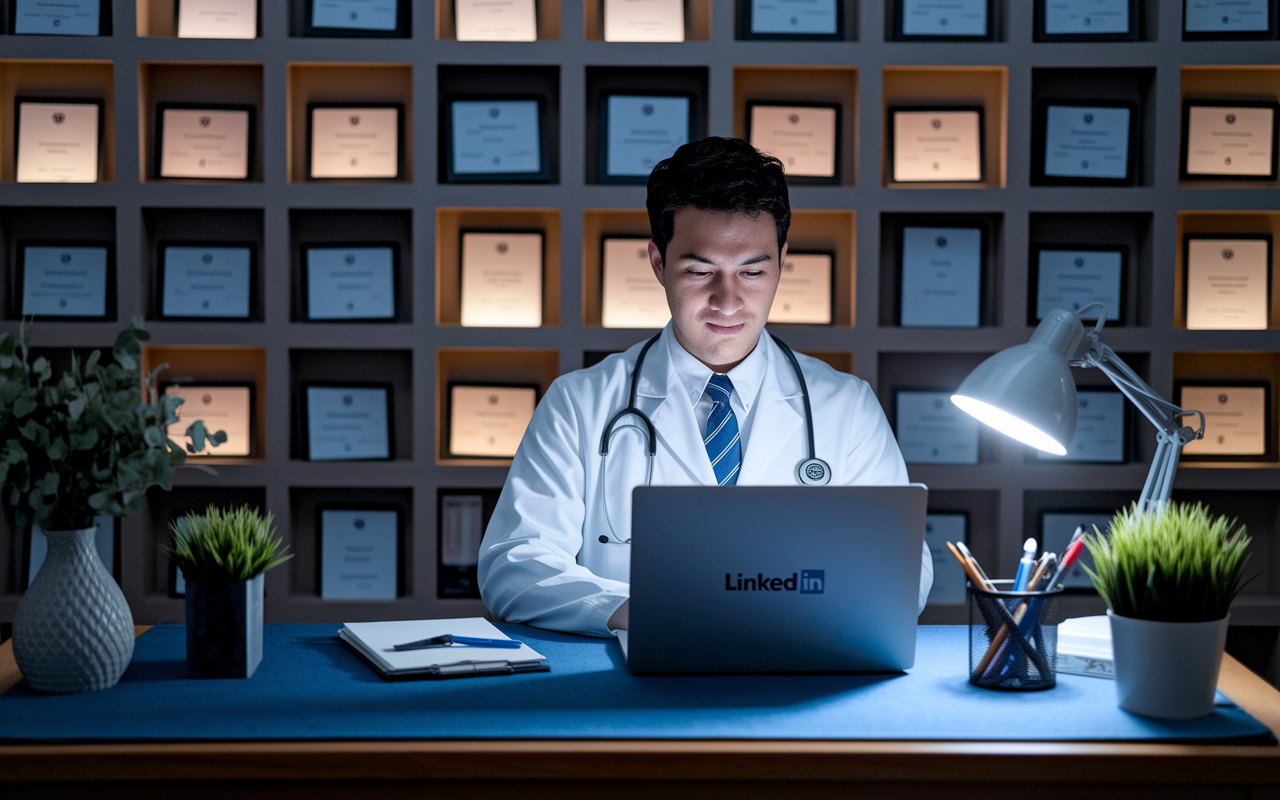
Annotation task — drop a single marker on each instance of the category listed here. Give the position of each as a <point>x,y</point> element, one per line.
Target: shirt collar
<point>694,375</point>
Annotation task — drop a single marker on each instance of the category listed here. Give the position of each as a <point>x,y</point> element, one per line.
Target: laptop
<point>742,579</point>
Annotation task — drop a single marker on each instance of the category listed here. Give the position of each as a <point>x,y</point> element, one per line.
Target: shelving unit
<point>425,347</point>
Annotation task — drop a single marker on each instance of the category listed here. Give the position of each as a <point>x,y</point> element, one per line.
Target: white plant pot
<point>1167,669</point>
<point>72,631</point>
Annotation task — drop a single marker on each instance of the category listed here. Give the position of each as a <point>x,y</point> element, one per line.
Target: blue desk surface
<point>309,686</point>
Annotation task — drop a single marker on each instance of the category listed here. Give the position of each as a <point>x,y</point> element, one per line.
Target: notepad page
<point>378,638</point>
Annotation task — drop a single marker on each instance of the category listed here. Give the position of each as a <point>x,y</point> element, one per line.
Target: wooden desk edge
<point>663,760</point>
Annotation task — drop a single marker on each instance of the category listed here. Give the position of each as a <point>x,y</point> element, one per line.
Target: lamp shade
<point>1027,391</point>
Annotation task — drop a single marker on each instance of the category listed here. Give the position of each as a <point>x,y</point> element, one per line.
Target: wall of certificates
<point>367,235</point>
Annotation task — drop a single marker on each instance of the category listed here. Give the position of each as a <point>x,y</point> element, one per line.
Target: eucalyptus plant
<point>232,545</point>
<point>1175,565</point>
<point>89,443</point>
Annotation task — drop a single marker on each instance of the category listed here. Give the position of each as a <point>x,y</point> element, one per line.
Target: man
<point>722,397</point>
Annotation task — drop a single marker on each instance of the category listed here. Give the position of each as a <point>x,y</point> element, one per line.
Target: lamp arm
<point>1165,416</point>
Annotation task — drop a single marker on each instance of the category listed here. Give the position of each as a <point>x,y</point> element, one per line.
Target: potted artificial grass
<point>1168,578</point>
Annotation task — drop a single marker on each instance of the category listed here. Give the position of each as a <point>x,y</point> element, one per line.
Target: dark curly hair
<point>716,174</point>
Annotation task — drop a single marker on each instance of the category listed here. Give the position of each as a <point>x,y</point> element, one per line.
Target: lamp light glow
<point>1009,425</point>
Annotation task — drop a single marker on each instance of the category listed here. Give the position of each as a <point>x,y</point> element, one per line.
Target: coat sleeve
<point>528,569</point>
<point>874,458</point>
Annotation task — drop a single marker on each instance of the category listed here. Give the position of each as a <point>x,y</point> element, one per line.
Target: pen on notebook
<point>448,640</point>
<point>1025,565</point>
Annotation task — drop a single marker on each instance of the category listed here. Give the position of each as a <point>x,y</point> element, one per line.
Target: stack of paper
<point>1084,647</point>
<point>375,643</point>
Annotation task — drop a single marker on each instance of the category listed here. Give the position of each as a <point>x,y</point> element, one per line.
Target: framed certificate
<point>106,540</point>
<point>207,281</point>
<point>949,579</point>
<point>1102,429</point>
<point>488,421</point>
<point>361,551</point>
<point>204,141</point>
<point>69,280</point>
<point>941,276</point>
<point>356,18</point>
<point>461,518</point>
<point>792,20</point>
<point>495,139</point>
<point>932,21</point>
<point>347,421</point>
<point>804,136</point>
<point>936,145</point>
<point>1237,420</point>
<point>63,18</point>
<point>639,130</point>
<point>350,283</point>
<point>1086,20</point>
<point>58,141</point>
<point>502,279</point>
<point>630,295</point>
<point>1229,139</point>
<point>804,294</point>
<point>1071,278</point>
<point>1082,143</point>
<point>1228,19</point>
<point>224,407</point>
<point>644,20</point>
<point>495,20</point>
<point>1057,528</point>
<point>1227,282</point>
<point>351,140</point>
<point>217,19</point>
<point>933,430</point>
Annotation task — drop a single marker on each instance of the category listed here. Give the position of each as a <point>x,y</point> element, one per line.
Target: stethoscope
<point>813,471</point>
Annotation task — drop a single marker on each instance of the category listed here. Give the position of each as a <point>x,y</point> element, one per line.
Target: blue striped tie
<point>722,441</point>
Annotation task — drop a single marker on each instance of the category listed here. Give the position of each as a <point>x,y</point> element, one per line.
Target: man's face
<point>720,275</point>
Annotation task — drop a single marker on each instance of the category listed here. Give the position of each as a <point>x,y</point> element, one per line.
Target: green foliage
<point>1177,566</point>
<point>234,545</point>
<point>87,444</point>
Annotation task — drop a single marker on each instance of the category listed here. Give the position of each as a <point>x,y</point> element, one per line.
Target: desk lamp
<point>1027,392</point>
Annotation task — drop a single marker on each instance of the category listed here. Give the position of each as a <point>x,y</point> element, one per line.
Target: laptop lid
<point>775,578</point>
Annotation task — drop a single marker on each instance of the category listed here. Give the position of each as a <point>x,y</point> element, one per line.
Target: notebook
<point>373,642</point>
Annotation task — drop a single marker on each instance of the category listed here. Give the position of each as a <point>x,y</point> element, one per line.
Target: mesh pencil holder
<point>1013,638</point>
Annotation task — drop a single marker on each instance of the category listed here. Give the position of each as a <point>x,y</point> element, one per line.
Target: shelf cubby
<point>304,525</point>
<point>951,86</point>
<point>891,226</point>
<point>355,83</point>
<point>546,19</point>
<point>469,81</point>
<point>697,21</point>
<point>487,365</point>
<point>932,372</point>
<point>1095,230</point>
<point>451,222</point>
<point>1246,82</point>
<point>357,366</point>
<point>80,79</point>
<point>200,226</point>
<point>52,224</point>
<point>604,81</point>
<point>214,364</point>
<point>1209,366</point>
<point>194,83</point>
<point>789,84</point>
<point>1217,224</point>
<point>351,227</point>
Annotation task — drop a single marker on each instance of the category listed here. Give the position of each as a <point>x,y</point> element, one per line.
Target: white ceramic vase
<point>73,631</point>
<point>1167,669</point>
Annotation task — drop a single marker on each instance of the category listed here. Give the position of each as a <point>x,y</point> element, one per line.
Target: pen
<point>976,566</point>
<point>448,640</point>
<point>1024,565</point>
<point>965,564</point>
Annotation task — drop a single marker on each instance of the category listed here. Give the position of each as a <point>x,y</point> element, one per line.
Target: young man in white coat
<point>723,398</point>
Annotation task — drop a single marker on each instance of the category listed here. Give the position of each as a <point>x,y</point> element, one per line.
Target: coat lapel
<point>778,414</point>
<point>661,396</point>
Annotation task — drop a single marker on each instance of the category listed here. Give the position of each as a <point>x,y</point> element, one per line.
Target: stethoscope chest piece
<point>814,472</point>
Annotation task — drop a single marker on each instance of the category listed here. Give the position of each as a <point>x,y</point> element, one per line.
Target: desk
<point>622,769</point>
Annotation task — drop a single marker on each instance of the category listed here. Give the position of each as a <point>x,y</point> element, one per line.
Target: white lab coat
<point>542,562</point>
